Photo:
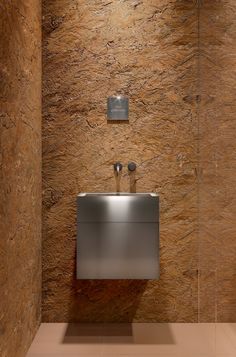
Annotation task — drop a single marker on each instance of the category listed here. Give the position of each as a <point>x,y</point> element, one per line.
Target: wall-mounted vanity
<point>117,236</point>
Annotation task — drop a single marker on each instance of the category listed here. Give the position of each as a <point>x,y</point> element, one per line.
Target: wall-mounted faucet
<point>118,167</point>
<point>131,168</point>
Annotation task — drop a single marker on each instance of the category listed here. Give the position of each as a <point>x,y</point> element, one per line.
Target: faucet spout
<point>118,167</point>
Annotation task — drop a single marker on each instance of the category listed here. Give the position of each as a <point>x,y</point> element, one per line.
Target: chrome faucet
<point>118,167</point>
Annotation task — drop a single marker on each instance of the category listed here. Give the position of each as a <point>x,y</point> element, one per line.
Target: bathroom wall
<point>20,170</point>
<point>147,50</point>
<point>217,181</point>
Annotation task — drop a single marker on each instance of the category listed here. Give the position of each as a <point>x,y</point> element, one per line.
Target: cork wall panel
<point>148,51</point>
<point>217,187</point>
<point>20,175</point>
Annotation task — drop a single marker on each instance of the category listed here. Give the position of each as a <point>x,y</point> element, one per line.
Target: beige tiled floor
<point>129,340</point>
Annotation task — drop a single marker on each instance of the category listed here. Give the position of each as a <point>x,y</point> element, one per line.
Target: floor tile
<point>162,339</point>
<point>68,339</point>
<point>138,339</point>
<point>226,338</point>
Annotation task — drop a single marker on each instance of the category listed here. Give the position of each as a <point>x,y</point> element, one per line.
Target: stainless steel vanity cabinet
<point>117,236</point>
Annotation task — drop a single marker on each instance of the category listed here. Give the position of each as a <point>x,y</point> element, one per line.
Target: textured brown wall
<point>217,189</point>
<point>20,175</point>
<point>147,50</point>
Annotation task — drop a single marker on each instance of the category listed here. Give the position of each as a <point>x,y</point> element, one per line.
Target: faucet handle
<point>132,166</point>
<point>118,167</point>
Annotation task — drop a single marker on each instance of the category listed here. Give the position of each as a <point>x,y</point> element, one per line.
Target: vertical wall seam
<point>198,153</point>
